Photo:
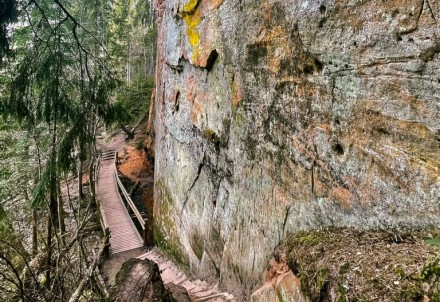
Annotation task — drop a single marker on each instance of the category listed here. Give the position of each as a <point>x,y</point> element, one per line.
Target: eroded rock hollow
<point>279,116</point>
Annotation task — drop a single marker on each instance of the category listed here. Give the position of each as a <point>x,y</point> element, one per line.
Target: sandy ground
<point>134,165</point>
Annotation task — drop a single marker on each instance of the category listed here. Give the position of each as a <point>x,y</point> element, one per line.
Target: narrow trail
<point>126,242</point>
<point>123,233</point>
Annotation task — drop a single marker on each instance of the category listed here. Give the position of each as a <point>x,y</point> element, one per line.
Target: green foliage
<point>73,67</point>
<point>433,241</point>
<point>62,85</point>
<point>8,14</point>
<point>132,39</point>
<point>15,161</point>
<point>44,185</point>
<point>135,97</point>
<point>13,257</point>
<point>431,271</point>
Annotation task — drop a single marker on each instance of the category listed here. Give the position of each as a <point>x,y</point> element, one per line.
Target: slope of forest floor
<point>351,265</point>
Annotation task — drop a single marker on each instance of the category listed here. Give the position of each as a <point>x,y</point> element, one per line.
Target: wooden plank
<point>123,233</point>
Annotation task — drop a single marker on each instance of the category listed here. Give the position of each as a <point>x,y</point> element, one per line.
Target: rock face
<point>279,116</point>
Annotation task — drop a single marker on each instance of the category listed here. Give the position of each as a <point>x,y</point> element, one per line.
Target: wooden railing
<point>129,204</point>
<point>102,218</point>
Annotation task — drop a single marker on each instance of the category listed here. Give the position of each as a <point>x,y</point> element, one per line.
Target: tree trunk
<point>53,209</point>
<point>129,134</point>
<point>129,65</point>
<point>151,63</point>
<point>150,129</point>
<point>49,250</point>
<point>149,141</point>
<point>80,186</point>
<point>34,232</point>
<point>79,290</point>
<point>92,180</point>
<point>62,225</point>
<point>34,225</point>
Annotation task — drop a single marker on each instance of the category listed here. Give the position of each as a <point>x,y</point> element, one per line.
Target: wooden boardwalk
<point>123,234</point>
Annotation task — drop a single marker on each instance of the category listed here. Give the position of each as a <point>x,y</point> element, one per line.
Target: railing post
<point>145,232</point>
<point>107,242</point>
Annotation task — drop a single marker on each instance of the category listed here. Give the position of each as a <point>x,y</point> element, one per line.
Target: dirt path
<point>116,143</point>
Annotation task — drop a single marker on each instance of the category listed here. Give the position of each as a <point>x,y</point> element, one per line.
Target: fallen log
<point>79,290</point>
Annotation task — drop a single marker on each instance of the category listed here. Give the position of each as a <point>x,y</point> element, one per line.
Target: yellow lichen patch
<point>192,21</point>
<point>190,6</point>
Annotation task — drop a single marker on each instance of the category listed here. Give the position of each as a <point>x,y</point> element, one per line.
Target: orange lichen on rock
<point>208,5</point>
<point>280,194</point>
<point>343,196</point>
<point>191,89</point>
<point>195,110</point>
<point>279,46</point>
<point>237,93</point>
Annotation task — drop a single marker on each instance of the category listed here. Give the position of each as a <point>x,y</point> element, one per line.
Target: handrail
<point>130,202</point>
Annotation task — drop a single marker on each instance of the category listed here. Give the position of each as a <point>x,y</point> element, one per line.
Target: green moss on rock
<point>196,242</point>
<point>164,231</point>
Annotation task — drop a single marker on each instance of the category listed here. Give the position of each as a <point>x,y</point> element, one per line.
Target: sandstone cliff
<point>279,116</point>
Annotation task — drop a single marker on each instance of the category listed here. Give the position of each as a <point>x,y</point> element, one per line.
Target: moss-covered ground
<point>349,265</point>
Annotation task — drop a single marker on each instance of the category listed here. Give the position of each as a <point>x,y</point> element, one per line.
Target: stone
<point>178,292</point>
<point>140,280</point>
<point>279,116</point>
<point>286,288</point>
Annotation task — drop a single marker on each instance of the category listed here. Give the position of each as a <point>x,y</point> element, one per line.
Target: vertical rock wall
<point>279,116</point>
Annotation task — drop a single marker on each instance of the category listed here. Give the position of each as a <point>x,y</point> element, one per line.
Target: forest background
<point>69,70</point>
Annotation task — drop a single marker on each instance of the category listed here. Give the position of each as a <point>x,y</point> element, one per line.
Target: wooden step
<point>198,290</point>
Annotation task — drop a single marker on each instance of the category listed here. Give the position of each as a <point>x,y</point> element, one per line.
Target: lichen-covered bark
<point>279,116</point>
